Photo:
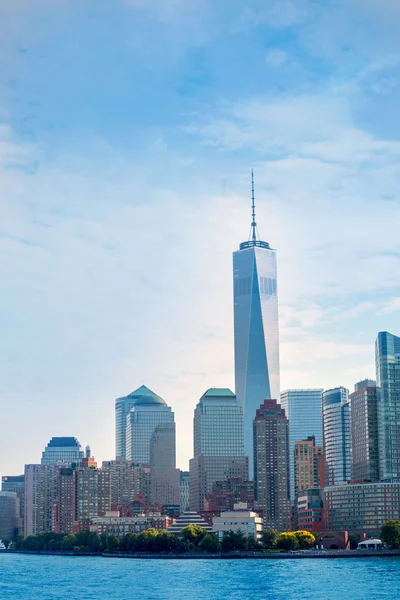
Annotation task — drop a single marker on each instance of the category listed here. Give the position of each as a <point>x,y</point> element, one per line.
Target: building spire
<point>253,210</point>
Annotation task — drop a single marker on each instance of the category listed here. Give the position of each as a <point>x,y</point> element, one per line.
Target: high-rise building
<point>65,450</point>
<point>303,408</point>
<point>148,410</point>
<point>65,505</point>
<point>123,407</point>
<point>337,435</point>
<point>271,465</point>
<point>128,481</point>
<point>387,358</point>
<point>308,462</point>
<point>218,444</point>
<point>10,522</point>
<point>308,510</point>
<point>255,327</point>
<point>165,477</point>
<point>184,485</point>
<point>15,483</point>
<point>93,494</point>
<point>225,494</point>
<point>364,431</point>
<point>41,487</point>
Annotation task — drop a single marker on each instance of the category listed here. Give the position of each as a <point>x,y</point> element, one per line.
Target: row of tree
<point>191,538</point>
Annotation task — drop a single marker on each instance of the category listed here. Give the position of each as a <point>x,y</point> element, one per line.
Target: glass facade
<point>218,444</point>
<point>64,450</point>
<point>364,431</point>
<point>303,408</point>
<point>256,331</point>
<point>387,357</point>
<point>337,435</point>
<point>148,411</point>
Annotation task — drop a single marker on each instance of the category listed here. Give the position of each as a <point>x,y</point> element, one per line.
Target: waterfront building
<point>271,465</point>
<point>303,408</point>
<point>225,494</point>
<point>364,431</point>
<point>65,504</point>
<point>15,483</point>
<point>189,517</point>
<point>308,462</point>
<point>63,450</point>
<point>387,358</point>
<point>113,524</point>
<point>218,444</point>
<point>129,481</point>
<point>165,477</point>
<point>361,508</point>
<point>10,521</point>
<point>93,493</point>
<point>41,487</point>
<point>239,519</point>
<point>309,510</point>
<point>184,487</point>
<point>256,329</point>
<point>148,410</point>
<point>337,435</point>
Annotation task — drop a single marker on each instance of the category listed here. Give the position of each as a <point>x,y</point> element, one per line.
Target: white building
<point>239,519</point>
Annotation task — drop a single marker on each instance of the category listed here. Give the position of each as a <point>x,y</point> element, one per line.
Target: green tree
<point>354,540</point>
<point>390,534</point>
<point>287,541</point>
<point>113,543</point>
<point>305,538</point>
<point>210,543</point>
<point>68,542</point>
<point>193,534</point>
<point>234,540</point>
<point>94,542</point>
<point>269,538</point>
<point>252,543</point>
<point>19,544</point>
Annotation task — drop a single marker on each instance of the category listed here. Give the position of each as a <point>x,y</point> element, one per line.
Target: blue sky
<point>128,130</point>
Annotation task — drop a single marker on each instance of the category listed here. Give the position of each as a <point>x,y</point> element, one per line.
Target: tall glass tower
<point>337,436</point>
<point>256,328</point>
<point>387,356</point>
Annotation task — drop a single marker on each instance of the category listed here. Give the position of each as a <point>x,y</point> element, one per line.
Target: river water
<point>33,577</point>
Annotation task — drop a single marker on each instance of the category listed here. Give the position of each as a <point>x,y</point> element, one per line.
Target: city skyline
<point>120,212</point>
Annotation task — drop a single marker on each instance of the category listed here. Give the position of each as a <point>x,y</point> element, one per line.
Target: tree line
<point>191,538</point>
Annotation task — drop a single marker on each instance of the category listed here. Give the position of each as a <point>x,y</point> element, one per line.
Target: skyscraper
<point>387,357</point>
<point>303,408</point>
<point>271,465</point>
<point>255,327</point>
<point>218,444</point>
<point>148,410</point>
<point>15,483</point>
<point>128,480</point>
<point>165,477</point>
<point>337,435</point>
<point>64,450</point>
<point>308,465</point>
<point>10,521</point>
<point>122,408</point>
<point>364,431</point>
<point>41,483</point>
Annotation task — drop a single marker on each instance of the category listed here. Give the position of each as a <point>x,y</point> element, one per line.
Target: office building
<point>387,358</point>
<point>65,504</point>
<point>271,465</point>
<point>364,431</point>
<point>308,462</point>
<point>256,329</point>
<point>337,435</point>
<point>165,477</point>
<point>15,483</point>
<point>308,510</point>
<point>218,444</point>
<point>303,408</point>
<point>63,450</point>
<point>10,521</point>
<point>225,494</point>
<point>148,411</point>
<point>239,519</point>
<point>361,508</point>
<point>184,486</point>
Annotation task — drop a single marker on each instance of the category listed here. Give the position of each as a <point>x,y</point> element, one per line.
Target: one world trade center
<point>256,328</point>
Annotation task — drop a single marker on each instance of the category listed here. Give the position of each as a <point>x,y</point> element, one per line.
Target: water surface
<point>33,577</point>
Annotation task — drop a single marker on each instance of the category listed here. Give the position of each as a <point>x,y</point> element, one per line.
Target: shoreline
<point>319,554</point>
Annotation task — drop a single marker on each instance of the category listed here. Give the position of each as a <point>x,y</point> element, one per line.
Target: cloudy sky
<point>128,130</point>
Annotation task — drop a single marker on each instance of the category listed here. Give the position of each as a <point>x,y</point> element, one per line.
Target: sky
<point>128,131</point>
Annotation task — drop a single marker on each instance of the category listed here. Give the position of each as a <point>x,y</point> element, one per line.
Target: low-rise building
<point>361,508</point>
<point>239,519</point>
<point>309,510</point>
<point>113,524</point>
<point>189,517</point>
